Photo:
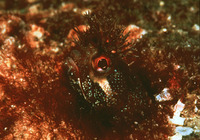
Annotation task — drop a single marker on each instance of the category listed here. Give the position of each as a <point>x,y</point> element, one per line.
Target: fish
<point>97,67</point>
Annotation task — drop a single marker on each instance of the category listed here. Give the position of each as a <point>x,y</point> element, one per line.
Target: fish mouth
<point>106,95</point>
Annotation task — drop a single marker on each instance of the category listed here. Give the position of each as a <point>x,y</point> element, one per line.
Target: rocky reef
<point>99,69</point>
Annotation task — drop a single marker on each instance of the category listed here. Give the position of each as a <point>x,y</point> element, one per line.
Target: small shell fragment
<point>184,131</point>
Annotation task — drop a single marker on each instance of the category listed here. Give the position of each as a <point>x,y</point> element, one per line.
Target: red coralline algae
<point>69,70</point>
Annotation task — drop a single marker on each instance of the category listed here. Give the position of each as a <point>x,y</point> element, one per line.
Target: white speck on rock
<point>177,136</point>
<point>184,131</point>
<point>164,95</point>
<point>86,12</point>
<point>196,27</point>
<point>196,109</point>
<point>162,3</point>
<point>177,120</point>
<point>177,111</point>
<point>169,18</point>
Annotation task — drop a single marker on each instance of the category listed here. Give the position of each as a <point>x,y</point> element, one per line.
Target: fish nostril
<point>76,55</point>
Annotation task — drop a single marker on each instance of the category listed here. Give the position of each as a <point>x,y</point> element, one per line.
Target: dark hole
<point>102,64</point>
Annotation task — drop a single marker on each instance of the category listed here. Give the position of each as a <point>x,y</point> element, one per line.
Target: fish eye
<point>101,64</point>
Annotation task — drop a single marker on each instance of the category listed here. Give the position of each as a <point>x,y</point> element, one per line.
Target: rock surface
<point>34,41</point>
